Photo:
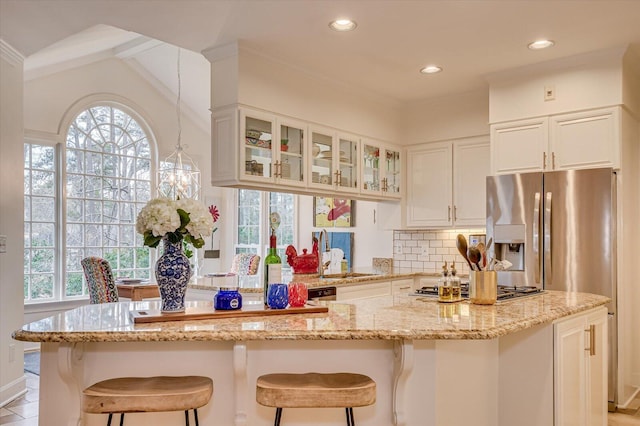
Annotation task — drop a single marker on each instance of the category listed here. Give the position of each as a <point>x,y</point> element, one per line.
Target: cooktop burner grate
<point>504,292</point>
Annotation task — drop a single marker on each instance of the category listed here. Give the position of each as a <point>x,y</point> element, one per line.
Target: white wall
<point>12,381</point>
<point>580,82</point>
<point>452,117</point>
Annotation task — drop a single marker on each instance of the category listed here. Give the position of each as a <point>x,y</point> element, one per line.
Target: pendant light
<point>178,175</point>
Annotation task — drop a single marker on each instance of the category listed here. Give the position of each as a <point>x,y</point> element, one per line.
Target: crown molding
<point>11,55</point>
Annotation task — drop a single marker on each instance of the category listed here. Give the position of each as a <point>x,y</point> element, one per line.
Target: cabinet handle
<point>384,185</point>
<point>455,213</point>
<point>544,161</point>
<point>592,340</point>
<point>553,161</point>
<point>449,214</point>
<point>336,173</point>
<point>276,167</point>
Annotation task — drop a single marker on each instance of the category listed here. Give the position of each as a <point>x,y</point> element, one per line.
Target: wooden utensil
<point>475,257</point>
<point>483,254</point>
<point>461,244</point>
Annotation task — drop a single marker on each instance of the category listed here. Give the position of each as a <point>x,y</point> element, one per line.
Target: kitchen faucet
<point>323,266</point>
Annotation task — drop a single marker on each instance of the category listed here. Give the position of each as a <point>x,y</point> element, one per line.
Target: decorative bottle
<point>444,286</point>
<point>272,266</point>
<point>455,284</point>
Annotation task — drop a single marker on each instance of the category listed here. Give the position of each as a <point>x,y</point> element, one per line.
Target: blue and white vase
<point>172,274</point>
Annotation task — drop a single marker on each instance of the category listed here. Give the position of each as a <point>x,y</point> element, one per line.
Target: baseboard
<point>634,395</point>
<point>13,390</point>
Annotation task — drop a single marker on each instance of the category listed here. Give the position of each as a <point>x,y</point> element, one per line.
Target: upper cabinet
<point>446,183</point>
<point>334,161</point>
<point>559,142</point>
<point>381,170</point>
<point>257,149</point>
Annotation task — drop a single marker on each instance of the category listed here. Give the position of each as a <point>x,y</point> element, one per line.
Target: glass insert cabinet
<point>274,149</point>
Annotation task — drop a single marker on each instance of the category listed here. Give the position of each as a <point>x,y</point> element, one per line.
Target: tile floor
<point>24,410</point>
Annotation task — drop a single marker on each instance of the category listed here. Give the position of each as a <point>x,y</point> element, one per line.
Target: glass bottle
<point>444,286</point>
<point>272,266</point>
<point>456,293</point>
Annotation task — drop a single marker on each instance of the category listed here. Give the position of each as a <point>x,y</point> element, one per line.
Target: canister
<point>227,298</point>
<point>483,287</point>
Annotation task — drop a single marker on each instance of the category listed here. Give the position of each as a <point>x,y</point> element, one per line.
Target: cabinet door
<point>347,157</point>
<point>597,374</point>
<point>392,173</point>
<point>429,185</point>
<point>371,173</point>
<point>321,159</point>
<point>224,152</point>
<point>518,147</point>
<point>585,140</point>
<point>570,386</point>
<point>292,153</point>
<point>362,291</point>
<point>256,154</point>
<point>471,166</point>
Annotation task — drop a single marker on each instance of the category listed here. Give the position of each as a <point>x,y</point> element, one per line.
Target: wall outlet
<point>424,249</point>
<point>549,93</point>
<point>3,243</point>
<point>398,249</point>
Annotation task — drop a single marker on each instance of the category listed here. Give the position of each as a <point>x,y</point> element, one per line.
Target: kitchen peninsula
<point>434,364</point>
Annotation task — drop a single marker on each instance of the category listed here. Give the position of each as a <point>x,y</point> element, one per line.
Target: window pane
<point>41,286</point>
<point>42,183</point>
<point>43,209</point>
<point>42,157</point>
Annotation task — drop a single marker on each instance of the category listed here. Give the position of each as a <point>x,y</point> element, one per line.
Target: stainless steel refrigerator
<point>558,229</point>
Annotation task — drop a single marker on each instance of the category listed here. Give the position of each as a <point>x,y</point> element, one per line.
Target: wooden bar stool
<point>315,390</point>
<point>147,394</point>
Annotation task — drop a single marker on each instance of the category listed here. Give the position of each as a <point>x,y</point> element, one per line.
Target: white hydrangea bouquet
<point>175,219</point>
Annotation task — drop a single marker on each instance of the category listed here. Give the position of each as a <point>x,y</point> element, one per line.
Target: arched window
<point>104,170</point>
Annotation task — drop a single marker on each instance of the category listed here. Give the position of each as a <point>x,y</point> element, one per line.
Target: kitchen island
<point>434,364</point>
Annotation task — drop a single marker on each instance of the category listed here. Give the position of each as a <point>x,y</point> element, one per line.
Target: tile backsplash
<point>429,249</point>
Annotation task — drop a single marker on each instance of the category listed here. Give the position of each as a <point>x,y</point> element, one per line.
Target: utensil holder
<point>483,287</point>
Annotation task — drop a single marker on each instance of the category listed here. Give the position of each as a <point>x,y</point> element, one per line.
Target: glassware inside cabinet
<point>348,169</point>
<point>321,172</point>
<point>291,164</point>
<point>257,146</point>
<point>371,167</point>
<point>392,175</point>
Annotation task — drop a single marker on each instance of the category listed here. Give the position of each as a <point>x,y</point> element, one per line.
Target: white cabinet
<point>381,170</point>
<point>335,160</point>
<point>446,183</point>
<point>267,151</point>
<point>580,369</point>
<point>363,291</point>
<point>559,142</point>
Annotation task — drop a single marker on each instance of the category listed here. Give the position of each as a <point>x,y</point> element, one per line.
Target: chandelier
<point>178,174</point>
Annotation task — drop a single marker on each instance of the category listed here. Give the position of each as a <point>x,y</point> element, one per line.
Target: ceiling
<point>383,56</point>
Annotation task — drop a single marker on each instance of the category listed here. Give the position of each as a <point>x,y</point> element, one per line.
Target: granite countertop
<point>359,276</point>
<point>400,316</point>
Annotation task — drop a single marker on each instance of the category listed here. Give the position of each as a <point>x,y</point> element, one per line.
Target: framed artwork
<point>333,212</point>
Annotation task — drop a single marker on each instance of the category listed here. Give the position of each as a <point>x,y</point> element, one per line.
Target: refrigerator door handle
<point>536,235</point>
<point>547,240</point>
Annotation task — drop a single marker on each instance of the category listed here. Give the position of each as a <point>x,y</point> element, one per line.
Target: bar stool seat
<point>147,394</point>
<point>315,390</point>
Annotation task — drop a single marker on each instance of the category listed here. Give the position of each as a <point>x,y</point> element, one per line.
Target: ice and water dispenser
<point>509,244</point>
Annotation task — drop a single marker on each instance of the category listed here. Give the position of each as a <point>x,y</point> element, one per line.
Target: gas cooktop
<point>504,292</point>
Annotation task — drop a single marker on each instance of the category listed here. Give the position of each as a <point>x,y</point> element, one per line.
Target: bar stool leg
<point>278,416</point>
<point>186,417</point>
<point>121,419</point>
<point>109,419</point>
<point>350,419</point>
<point>195,415</point>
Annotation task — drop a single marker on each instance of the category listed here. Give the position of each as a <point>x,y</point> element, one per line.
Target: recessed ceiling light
<point>343,25</point>
<point>431,69</point>
<point>540,44</point>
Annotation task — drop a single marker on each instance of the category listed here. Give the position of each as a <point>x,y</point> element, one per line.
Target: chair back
<point>102,286</point>
<point>245,264</point>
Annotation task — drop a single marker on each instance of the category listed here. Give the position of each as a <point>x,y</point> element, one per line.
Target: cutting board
<point>207,312</point>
